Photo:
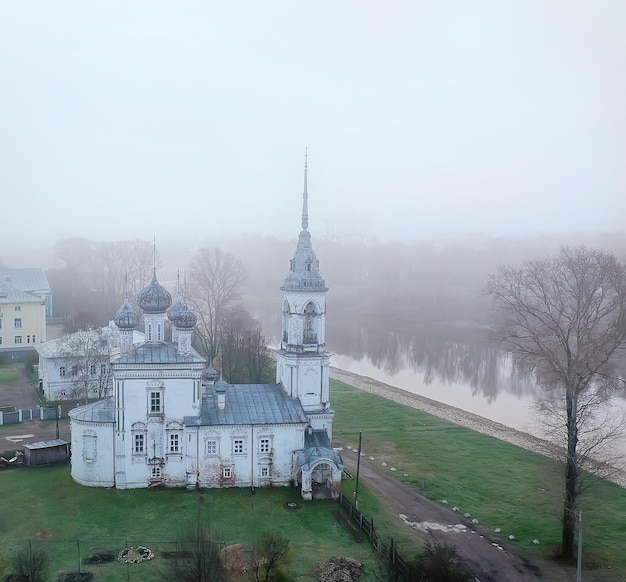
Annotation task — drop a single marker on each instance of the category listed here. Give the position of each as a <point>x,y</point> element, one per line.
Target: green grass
<point>500,484</point>
<point>8,374</point>
<point>65,519</point>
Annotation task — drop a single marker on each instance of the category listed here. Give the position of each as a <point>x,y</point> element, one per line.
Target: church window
<point>156,471</point>
<point>308,266</point>
<point>310,337</point>
<point>89,448</point>
<point>227,472</point>
<point>155,403</point>
<point>264,445</point>
<point>238,446</point>
<point>62,371</point>
<point>174,443</point>
<point>211,447</point>
<point>265,472</point>
<point>139,448</point>
<point>149,332</point>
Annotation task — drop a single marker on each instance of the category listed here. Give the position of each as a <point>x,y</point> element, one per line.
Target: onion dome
<point>175,308</point>
<point>154,298</point>
<point>221,385</point>
<point>126,317</point>
<point>185,318</point>
<point>210,374</point>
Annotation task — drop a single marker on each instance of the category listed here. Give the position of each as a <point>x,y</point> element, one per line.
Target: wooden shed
<point>46,452</point>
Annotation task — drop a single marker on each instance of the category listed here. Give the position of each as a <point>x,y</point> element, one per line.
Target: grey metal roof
<point>317,447</point>
<point>249,404</point>
<point>12,294</point>
<point>157,353</point>
<point>100,411</point>
<point>33,280</point>
<point>154,298</point>
<point>46,444</point>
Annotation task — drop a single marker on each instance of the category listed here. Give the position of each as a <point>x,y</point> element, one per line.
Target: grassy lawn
<point>9,374</point>
<point>47,507</point>
<point>500,484</point>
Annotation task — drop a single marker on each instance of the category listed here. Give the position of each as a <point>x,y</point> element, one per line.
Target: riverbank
<point>466,419</point>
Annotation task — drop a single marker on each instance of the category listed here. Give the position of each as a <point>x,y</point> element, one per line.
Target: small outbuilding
<point>46,452</point>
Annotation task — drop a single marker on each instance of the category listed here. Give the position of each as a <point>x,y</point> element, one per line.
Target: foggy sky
<point>134,119</point>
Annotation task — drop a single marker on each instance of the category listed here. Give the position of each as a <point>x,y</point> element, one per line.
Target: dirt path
<point>488,558</point>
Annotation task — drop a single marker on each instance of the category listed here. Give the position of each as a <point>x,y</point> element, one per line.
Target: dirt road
<point>488,558</point>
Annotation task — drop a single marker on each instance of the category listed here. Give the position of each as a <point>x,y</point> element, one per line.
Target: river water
<point>455,365</point>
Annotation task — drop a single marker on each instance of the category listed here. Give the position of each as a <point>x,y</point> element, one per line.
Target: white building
<point>171,422</point>
<point>77,366</point>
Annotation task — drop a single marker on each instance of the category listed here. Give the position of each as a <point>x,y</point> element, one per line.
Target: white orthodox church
<point>171,421</point>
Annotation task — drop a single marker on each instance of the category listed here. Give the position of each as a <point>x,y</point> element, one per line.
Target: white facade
<point>170,423</point>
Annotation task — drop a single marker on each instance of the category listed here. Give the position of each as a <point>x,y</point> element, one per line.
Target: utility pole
<point>358,468</point>
<point>579,561</point>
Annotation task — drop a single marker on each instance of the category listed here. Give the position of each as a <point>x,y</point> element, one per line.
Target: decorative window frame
<point>139,428</point>
<point>174,433</point>
<point>227,472</point>
<point>265,444</point>
<point>235,441</point>
<point>155,387</point>
<point>90,446</point>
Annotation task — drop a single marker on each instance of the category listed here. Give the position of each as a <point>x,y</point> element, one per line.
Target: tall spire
<point>305,195</point>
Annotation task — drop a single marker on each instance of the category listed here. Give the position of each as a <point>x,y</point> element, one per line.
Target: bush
<point>440,563</point>
<point>31,565</point>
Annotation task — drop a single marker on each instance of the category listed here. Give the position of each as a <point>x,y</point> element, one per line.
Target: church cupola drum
<point>302,362</point>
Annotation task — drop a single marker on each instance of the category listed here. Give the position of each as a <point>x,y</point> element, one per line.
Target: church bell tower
<point>302,363</point>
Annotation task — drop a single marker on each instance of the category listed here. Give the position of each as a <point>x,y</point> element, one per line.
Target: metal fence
<point>387,551</point>
<point>28,414</point>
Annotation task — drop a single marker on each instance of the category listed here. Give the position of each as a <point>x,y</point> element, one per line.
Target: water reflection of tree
<point>435,353</point>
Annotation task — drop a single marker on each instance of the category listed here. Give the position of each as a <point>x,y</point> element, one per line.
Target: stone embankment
<point>467,420</point>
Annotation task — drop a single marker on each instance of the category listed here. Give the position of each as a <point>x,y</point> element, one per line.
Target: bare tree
<point>197,555</point>
<point>565,319</point>
<point>245,355</point>
<point>272,553</point>
<point>215,284</point>
<point>31,565</point>
<point>86,360</point>
<point>93,277</point>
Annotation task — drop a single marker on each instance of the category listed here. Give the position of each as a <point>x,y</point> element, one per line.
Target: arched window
<point>310,332</point>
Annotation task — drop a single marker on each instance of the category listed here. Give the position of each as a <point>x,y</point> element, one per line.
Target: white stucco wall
<point>92,453</point>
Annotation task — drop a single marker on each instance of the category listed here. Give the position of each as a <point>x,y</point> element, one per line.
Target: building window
<point>34,340</point>
<point>156,472</point>
<point>62,371</point>
<point>174,443</point>
<point>89,448</point>
<point>155,402</point>
<point>139,447</point>
<point>227,472</point>
<point>74,370</point>
<point>265,472</point>
<point>18,308</point>
<point>27,339</point>
<point>103,369</point>
<point>0,340</point>
<point>92,369</point>
<point>18,339</point>
<point>18,323</point>
<point>149,332</point>
<point>0,323</point>
<point>211,447</point>
<point>264,445</point>
<point>237,446</point>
